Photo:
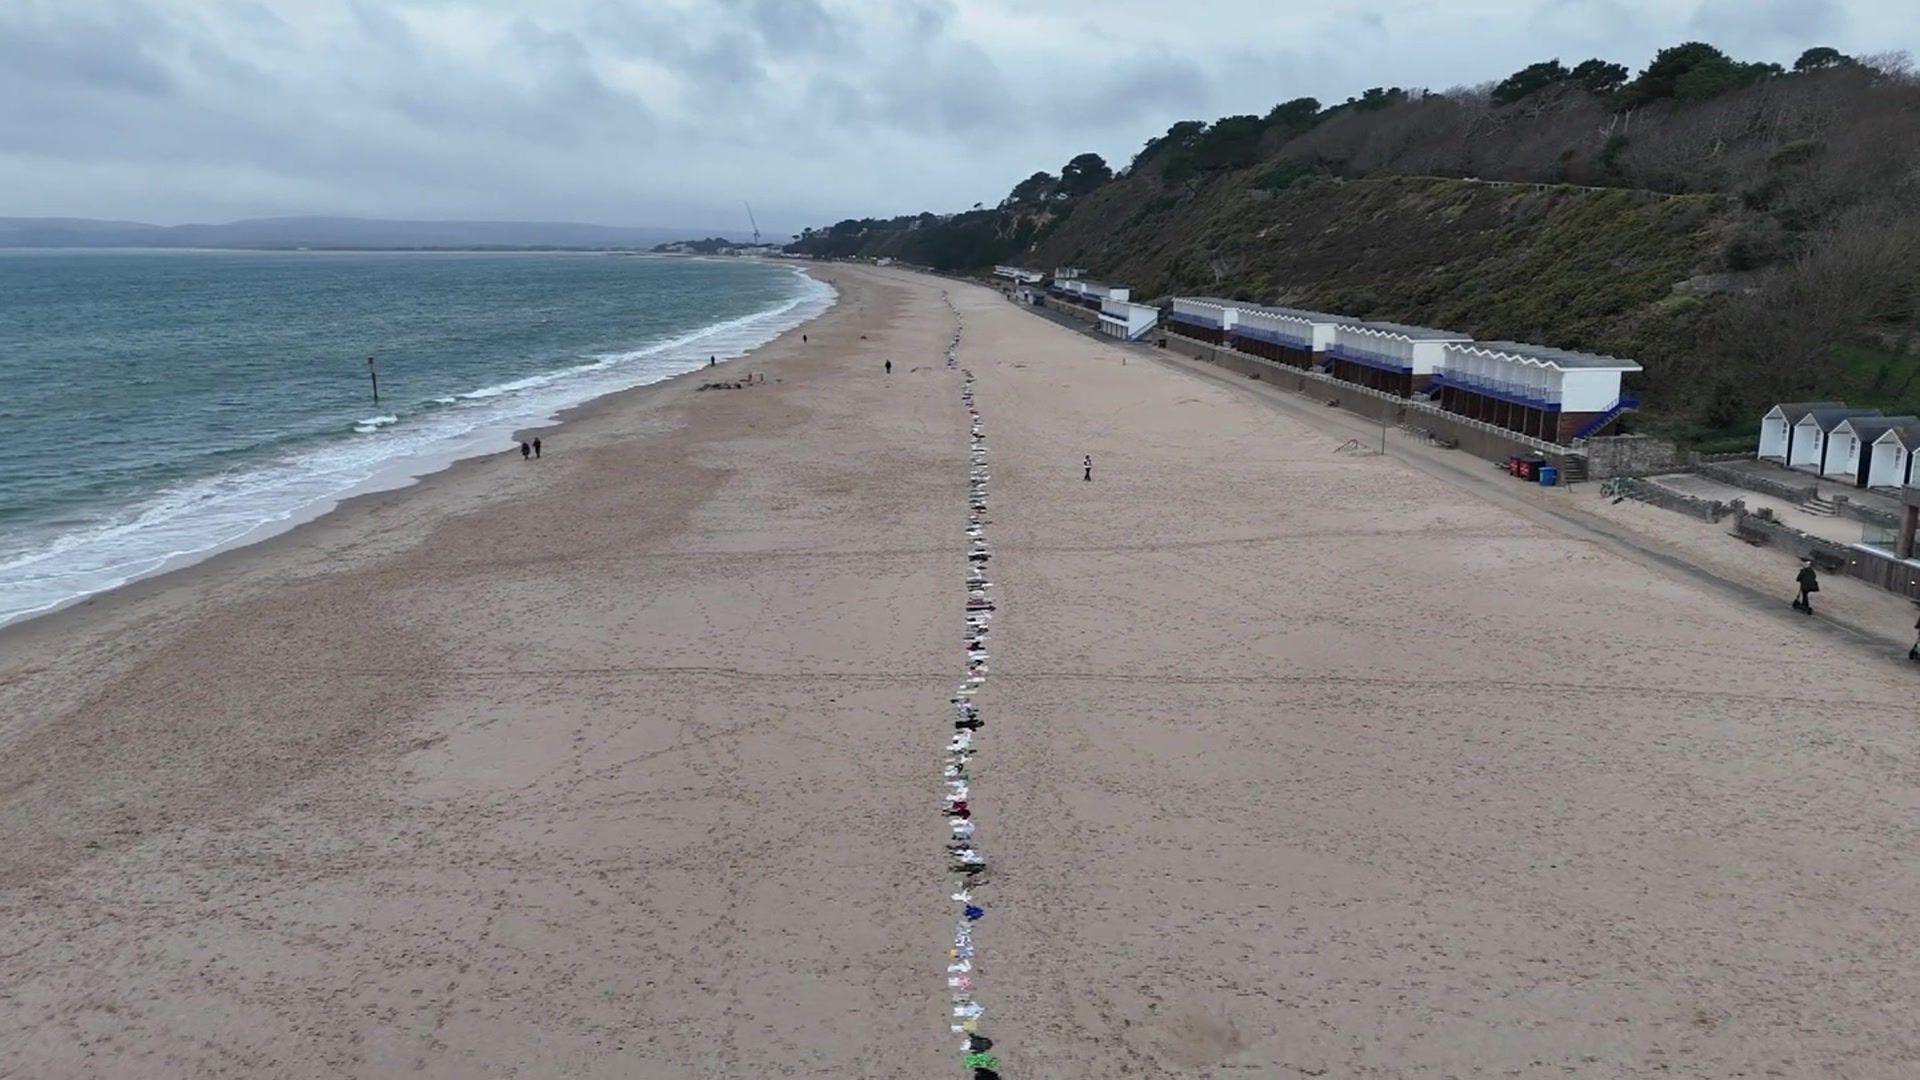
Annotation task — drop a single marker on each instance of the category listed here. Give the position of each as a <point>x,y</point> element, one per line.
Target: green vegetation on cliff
<point>1747,233</point>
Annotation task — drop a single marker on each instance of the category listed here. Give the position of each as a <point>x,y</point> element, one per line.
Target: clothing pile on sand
<point>965,860</point>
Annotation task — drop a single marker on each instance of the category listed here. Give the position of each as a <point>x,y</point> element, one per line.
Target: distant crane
<point>755,224</point>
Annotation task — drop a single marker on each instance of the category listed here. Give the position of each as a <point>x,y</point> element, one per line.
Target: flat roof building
<point>1544,393</point>
<point>1126,320</point>
<point>1557,395</point>
<point>1100,290</point>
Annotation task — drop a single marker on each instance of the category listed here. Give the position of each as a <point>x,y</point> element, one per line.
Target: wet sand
<point>625,763</point>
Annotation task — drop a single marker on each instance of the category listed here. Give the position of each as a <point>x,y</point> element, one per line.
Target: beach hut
<point>1088,294</point>
<point>1389,357</point>
<point>1807,451</point>
<point>1203,318</point>
<point>1556,395</point>
<point>1126,320</point>
<point>1288,336</point>
<point>1776,427</point>
<point>1890,465</point>
<point>1850,446</point>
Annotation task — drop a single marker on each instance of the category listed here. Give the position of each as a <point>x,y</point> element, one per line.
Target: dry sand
<point>625,763</point>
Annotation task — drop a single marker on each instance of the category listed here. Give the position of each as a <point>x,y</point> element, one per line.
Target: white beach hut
<point>1557,395</point>
<point>1776,427</point>
<point>1204,318</point>
<point>1890,466</point>
<point>1807,450</point>
<point>1286,335</point>
<point>1850,446</point>
<point>1390,357</point>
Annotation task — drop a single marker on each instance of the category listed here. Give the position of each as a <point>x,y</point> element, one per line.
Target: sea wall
<point>1793,491</point>
<point>1647,491</point>
<point>1858,511</point>
<point>1477,439</point>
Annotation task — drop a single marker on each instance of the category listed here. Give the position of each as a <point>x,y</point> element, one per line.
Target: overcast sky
<point>671,112</point>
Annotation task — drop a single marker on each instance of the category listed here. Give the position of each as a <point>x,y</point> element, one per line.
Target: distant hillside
<point>1748,233</point>
<point>329,233</point>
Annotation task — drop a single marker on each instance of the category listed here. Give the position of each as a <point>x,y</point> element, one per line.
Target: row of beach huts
<point>1847,445</point>
<point>1547,394</point>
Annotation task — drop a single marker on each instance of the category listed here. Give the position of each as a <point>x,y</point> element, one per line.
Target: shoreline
<point>622,765</point>
<point>405,473</point>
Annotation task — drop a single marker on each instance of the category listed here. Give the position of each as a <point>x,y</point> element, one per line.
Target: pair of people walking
<point>529,450</point>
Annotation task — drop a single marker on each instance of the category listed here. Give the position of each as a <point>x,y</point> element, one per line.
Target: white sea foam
<point>188,522</point>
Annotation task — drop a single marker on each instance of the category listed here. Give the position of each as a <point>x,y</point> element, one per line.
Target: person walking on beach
<point>536,448</point>
<point>889,367</point>
<point>712,360</point>
<point>1087,464</point>
<point>1809,584</point>
<point>525,451</point>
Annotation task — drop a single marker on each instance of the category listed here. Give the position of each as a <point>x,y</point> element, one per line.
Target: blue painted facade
<point>1371,359</point>
<point>1273,337</point>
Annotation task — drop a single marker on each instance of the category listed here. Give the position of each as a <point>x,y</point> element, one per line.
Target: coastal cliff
<point>1747,233</point>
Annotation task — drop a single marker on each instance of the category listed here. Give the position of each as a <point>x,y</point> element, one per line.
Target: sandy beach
<point>625,763</point>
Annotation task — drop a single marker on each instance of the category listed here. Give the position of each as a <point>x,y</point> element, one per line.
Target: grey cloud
<point>60,43</point>
<point>665,111</point>
<point>791,26</point>
<point>1139,85</point>
<point>1586,23</point>
<point>1766,22</point>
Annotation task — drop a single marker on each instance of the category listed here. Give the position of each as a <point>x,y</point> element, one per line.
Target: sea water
<point>156,407</point>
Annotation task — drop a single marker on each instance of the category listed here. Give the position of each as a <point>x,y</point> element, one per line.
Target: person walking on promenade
<point>525,451</point>
<point>536,448</point>
<point>1087,464</point>
<point>1809,584</point>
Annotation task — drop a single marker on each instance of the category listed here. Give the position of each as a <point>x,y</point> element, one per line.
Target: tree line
<point>1813,170</point>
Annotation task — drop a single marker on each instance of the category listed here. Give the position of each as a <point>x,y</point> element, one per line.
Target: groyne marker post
<point>373,373</point>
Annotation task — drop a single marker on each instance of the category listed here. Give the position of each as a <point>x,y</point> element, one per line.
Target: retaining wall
<point>1649,492</point>
<point>1871,515</point>
<point>1793,492</point>
<point>1468,436</point>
